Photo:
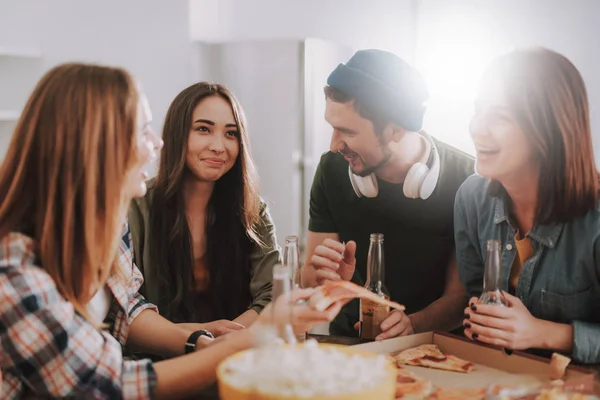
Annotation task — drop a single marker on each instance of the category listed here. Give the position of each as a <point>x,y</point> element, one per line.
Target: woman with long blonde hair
<point>69,294</point>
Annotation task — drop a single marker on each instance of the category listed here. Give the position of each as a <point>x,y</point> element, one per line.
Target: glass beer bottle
<point>282,313</point>
<point>373,314</point>
<point>291,259</point>
<point>492,276</point>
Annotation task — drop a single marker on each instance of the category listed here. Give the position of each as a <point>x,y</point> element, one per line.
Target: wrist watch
<point>190,345</point>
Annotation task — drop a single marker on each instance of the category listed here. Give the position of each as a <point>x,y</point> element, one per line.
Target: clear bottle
<point>282,313</point>
<point>291,259</point>
<point>492,276</point>
<point>373,314</point>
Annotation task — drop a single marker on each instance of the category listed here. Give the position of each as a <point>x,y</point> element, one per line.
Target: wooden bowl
<point>386,390</point>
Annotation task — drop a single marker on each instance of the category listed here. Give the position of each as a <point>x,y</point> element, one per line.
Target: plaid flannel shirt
<point>48,350</point>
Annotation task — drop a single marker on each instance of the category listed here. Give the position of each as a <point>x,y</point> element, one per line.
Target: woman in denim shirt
<point>537,192</point>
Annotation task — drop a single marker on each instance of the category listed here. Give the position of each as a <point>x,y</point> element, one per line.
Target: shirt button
<point>509,247</point>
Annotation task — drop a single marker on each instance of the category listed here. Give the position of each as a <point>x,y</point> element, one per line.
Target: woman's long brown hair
<point>233,214</point>
<point>549,98</point>
<point>62,180</point>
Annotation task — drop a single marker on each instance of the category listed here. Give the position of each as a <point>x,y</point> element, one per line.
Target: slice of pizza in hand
<point>344,291</point>
<point>412,387</point>
<point>429,355</point>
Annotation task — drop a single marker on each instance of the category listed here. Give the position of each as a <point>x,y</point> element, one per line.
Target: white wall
<point>385,24</point>
<point>464,34</point>
<point>148,37</point>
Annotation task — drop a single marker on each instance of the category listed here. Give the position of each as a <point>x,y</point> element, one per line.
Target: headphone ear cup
<point>429,183</point>
<point>414,178</point>
<point>366,186</point>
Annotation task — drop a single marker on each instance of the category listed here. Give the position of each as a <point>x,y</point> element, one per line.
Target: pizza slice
<point>458,394</point>
<point>411,387</point>
<point>409,356</point>
<point>343,291</point>
<point>558,365</point>
<point>429,355</point>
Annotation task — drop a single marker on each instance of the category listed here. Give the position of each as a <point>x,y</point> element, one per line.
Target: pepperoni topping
<point>467,366</point>
<point>405,379</point>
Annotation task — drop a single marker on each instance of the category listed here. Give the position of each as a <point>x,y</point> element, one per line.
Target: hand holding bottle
<point>285,309</point>
<point>512,327</point>
<point>396,324</point>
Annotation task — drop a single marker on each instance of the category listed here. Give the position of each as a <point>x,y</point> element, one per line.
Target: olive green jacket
<point>263,258</point>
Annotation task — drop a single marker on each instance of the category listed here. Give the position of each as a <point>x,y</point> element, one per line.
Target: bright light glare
<point>451,53</point>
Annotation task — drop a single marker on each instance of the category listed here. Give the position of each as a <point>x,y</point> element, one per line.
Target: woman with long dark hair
<point>203,237</point>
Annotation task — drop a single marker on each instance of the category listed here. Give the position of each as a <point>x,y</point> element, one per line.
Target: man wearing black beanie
<point>383,174</point>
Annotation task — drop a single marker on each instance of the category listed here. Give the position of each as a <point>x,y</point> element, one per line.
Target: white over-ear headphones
<point>420,181</point>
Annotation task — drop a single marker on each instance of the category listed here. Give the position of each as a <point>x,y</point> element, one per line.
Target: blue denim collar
<point>547,235</point>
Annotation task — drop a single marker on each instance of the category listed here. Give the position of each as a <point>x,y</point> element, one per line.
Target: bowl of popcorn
<point>306,371</point>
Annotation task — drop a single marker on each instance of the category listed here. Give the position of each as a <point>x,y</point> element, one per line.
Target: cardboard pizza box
<point>492,364</point>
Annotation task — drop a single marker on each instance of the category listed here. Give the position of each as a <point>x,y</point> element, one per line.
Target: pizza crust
<point>558,365</point>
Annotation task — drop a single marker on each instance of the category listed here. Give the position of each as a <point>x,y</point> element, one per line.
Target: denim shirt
<point>559,283</point>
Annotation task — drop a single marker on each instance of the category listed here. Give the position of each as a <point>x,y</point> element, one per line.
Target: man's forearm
<point>444,314</point>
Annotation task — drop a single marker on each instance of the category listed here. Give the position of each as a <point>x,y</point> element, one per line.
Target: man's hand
<point>396,324</point>
<point>334,261</point>
<point>217,328</point>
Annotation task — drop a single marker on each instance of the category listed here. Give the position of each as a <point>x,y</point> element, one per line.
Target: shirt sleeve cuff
<point>139,304</point>
<point>586,342</point>
<point>139,380</point>
<point>259,304</point>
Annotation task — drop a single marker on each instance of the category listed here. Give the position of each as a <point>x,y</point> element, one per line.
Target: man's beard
<point>367,169</point>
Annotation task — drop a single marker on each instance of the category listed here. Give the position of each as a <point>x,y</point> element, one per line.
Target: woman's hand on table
<point>512,327</point>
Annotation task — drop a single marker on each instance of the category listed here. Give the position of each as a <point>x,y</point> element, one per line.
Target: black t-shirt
<point>418,234</point>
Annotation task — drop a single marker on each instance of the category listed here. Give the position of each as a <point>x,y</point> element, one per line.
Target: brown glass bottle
<point>372,314</point>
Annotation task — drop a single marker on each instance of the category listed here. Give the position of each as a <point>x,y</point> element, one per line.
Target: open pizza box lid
<point>492,365</point>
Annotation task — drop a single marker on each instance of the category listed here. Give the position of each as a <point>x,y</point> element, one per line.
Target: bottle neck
<point>492,276</point>
<point>291,258</point>
<point>376,265</point>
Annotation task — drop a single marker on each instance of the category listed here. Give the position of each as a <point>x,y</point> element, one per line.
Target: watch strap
<point>190,344</point>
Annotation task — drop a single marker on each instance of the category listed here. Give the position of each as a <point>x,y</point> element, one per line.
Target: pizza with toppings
<point>429,355</point>
<point>412,387</point>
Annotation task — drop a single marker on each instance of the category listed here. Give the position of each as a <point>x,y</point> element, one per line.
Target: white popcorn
<point>304,370</point>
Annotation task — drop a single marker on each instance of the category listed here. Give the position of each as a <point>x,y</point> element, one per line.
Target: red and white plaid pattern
<point>48,350</point>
